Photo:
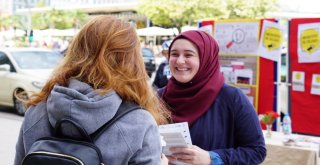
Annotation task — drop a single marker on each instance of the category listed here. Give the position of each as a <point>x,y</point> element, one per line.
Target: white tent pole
<point>279,93</point>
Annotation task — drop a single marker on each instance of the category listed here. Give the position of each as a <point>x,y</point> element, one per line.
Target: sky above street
<point>307,6</point>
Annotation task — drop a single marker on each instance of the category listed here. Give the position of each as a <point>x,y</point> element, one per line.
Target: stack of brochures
<point>175,135</point>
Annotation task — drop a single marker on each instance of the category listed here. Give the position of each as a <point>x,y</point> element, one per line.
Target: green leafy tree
<point>12,21</point>
<point>77,18</point>
<point>176,13</point>
<point>60,19</point>
<point>51,19</point>
<point>55,18</point>
<point>39,21</point>
<point>250,8</point>
<point>5,23</point>
<point>17,22</point>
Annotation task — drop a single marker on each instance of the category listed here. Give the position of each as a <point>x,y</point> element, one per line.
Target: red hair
<point>106,54</point>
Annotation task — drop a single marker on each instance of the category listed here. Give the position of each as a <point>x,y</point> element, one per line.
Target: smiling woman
<point>184,60</point>
<point>224,126</point>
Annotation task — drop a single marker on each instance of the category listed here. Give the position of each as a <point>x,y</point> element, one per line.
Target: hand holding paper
<point>175,135</point>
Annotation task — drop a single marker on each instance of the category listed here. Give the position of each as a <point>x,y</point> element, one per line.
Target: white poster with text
<point>237,37</point>
<point>315,85</point>
<point>298,79</point>
<point>308,43</point>
<point>271,41</point>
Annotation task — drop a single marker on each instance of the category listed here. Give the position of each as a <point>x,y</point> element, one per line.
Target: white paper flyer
<point>175,135</point>
<point>298,81</point>
<point>315,85</point>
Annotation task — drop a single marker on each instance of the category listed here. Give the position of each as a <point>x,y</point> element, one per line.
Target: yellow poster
<point>271,41</point>
<point>308,43</point>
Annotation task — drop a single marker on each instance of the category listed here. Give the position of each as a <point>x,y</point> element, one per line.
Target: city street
<point>10,126</point>
<point>269,50</point>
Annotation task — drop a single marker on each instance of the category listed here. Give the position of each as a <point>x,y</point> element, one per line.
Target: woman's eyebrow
<point>191,51</point>
<point>188,50</point>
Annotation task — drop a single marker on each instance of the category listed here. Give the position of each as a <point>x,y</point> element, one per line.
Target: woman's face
<point>184,60</point>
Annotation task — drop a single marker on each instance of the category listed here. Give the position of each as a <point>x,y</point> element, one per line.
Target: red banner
<point>304,106</point>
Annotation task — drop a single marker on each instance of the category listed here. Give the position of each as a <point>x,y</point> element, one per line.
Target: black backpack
<point>63,150</point>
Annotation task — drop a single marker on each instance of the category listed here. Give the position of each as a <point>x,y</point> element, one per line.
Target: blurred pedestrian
<point>163,73</point>
<point>223,124</point>
<point>102,68</point>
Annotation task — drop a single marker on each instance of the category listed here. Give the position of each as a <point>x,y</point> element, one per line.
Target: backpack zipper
<point>79,142</point>
<point>61,155</point>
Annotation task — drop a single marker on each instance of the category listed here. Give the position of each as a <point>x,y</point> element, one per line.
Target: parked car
<point>23,71</point>
<point>149,60</point>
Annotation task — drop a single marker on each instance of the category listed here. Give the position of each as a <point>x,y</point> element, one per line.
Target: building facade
<point>125,9</point>
<point>5,8</point>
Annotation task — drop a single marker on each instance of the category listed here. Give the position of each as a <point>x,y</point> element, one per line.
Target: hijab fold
<point>191,100</point>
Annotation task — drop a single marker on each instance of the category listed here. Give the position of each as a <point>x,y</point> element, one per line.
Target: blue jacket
<point>162,75</point>
<point>230,129</point>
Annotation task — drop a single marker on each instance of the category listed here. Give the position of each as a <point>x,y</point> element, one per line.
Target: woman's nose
<point>180,59</point>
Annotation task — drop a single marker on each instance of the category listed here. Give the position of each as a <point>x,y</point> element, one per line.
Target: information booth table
<point>302,150</point>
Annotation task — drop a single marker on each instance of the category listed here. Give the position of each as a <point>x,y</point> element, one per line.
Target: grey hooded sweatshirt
<point>132,139</point>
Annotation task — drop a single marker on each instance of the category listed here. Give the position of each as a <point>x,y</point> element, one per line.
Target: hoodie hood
<point>81,103</point>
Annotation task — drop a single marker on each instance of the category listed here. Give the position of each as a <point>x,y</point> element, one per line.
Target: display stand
<point>304,75</point>
<point>242,67</point>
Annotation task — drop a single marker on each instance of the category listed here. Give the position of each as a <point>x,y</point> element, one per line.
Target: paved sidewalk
<point>10,126</point>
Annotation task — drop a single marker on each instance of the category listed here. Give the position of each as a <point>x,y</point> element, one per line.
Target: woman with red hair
<point>102,68</point>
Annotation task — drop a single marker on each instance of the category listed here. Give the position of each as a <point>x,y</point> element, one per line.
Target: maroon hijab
<point>190,100</point>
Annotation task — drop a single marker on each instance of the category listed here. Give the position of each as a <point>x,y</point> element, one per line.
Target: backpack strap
<point>125,107</point>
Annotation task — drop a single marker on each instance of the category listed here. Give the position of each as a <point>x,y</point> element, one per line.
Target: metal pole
<point>29,18</point>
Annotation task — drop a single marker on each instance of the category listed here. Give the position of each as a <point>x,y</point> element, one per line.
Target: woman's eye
<point>189,55</point>
<point>174,54</point>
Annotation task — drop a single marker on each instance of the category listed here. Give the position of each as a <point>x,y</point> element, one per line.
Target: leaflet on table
<point>175,135</point>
